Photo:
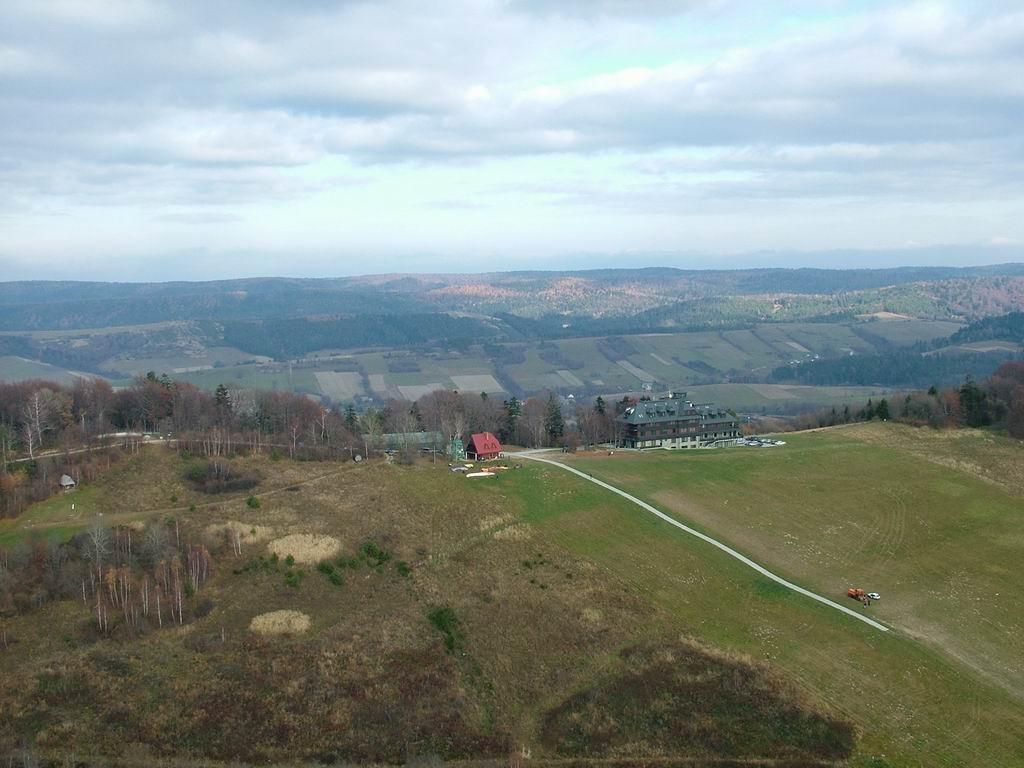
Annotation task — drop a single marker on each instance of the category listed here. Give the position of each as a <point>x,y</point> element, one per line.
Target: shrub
<point>336,578</point>
<point>403,568</point>
<point>257,564</point>
<point>252,502</point>
<point>374,555</point>
<point>275,454</point>
<point>447,623</point>
<point>289,561</point>
<point>324,567</point>
<point>293,578</point>
<point>219,476</point>
<point>174,498</point>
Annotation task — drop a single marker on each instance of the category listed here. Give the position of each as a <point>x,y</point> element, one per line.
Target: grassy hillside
<point>445,625</point>
<point>539,611</point>
<point>931,520</point>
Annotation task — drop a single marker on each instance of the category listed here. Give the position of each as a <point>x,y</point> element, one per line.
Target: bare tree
<point>99,546</point>
<point>371,425</point>
<point>155,542</point>
<point>28,437</point>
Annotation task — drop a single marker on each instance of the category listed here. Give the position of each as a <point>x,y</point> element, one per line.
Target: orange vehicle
<point>859,594</point>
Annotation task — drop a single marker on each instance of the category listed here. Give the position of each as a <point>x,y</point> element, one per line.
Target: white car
<point>874,596</point>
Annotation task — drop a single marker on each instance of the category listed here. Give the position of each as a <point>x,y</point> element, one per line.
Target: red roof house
<point>483,446</point>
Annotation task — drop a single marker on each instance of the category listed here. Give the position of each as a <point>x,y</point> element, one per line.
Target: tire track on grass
<point>704,537</point>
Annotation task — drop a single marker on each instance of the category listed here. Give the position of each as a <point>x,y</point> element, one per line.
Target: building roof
<point>484,442</point>
<point>674,407</point>
<point>65,480</point>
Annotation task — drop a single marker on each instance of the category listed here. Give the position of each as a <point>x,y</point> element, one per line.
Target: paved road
<point>533,456</point>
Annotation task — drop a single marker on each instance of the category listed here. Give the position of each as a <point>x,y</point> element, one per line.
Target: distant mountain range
<point>946,292</point>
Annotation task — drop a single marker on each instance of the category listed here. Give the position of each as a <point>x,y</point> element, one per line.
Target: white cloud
<point>683,105</point>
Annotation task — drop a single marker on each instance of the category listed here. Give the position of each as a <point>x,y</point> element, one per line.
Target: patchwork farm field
<point>581,366</point>
<point>779,398</point>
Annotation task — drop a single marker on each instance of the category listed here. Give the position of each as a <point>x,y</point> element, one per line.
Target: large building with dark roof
<point>673,421</point>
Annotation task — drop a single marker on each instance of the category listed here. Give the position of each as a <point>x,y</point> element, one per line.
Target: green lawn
<point>836,512</point>
<point>828,511</point>
<point>273,376</point>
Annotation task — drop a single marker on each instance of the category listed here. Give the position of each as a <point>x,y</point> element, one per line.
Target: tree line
<point>996,401</point>
<point>48,429</point>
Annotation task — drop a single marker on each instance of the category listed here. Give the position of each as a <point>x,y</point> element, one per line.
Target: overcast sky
<point>142,139</point>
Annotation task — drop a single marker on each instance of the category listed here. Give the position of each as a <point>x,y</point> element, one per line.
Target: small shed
<point>67,483</point>
<point>483,446</point>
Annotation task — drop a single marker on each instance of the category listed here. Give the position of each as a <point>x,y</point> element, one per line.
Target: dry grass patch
<point>520,532</point>
<point>306,547</point>
<point>996,460</point>
<point>280,623</point>
<point>249,534</point>
<point>495,521</point>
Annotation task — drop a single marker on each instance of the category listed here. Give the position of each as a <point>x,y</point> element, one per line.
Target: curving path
<point>532,456</point>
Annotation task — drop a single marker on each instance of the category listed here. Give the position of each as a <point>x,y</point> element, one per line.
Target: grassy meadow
<point>930,520</point>
<point>537,614</point>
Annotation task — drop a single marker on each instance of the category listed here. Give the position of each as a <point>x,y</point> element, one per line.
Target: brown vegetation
<point>687,700</point>
<point>305,547</point>
<point>381,674</point>
<point>280,623</point>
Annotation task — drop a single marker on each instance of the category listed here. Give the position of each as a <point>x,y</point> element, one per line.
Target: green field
<point>907,516</point>
<point>782,398</point>
<point>905,332</point>
<point>19,369</point>
<point>272,376</point>
<point>209,358</point>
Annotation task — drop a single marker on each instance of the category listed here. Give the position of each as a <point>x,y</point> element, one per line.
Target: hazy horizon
<point>167,269</point>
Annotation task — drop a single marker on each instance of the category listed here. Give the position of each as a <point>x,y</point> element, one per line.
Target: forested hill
<point>291,337</point>
<point>205,303</point>
<point>940,362</point>
<point>670,297</point>
<point>1008,327</point>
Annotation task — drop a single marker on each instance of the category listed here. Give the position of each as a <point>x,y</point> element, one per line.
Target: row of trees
<point>538,421</point>
<point>997,401</point>
<point>44,425</point>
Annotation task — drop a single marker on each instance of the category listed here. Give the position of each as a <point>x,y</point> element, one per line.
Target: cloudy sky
<point>151,139</point>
